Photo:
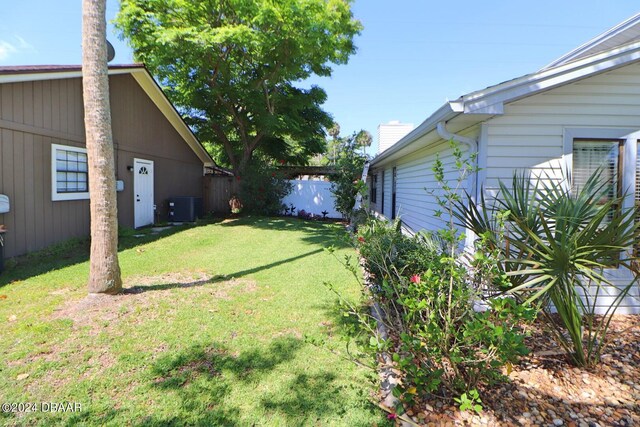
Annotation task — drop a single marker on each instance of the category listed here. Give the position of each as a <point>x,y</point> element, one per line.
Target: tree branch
<point>227,145</point>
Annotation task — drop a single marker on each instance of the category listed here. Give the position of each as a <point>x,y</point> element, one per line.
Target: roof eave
<point>151,87</point>
<point>596,41</point>
<point>494,98</point>
<point>444,113</point>
<point>142,76</point>
<point>491,101</point>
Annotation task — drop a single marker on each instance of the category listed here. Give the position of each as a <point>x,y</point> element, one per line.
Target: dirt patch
<point>546,390</point>
<point>223,289</point>
<point>100,311</point>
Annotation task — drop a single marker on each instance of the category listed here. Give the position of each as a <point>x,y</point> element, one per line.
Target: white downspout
<point>473,148</point>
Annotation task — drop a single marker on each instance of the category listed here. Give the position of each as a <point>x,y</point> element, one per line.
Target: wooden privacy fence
<point>217,192</point>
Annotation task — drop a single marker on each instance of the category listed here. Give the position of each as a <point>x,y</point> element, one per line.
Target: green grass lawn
<point>211,331</point>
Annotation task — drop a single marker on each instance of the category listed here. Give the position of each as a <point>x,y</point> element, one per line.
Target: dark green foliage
<point>558,245</point>
<point>262,189</point>
<point>347,183</point>
<point>233,68</point>
<point>430,295</point>
<point>384,247</point>
<point>445,346</point>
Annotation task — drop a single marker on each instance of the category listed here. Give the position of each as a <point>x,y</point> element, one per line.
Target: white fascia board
<point>444,113</point>
<point>149,85</point>
<point>492,100</point>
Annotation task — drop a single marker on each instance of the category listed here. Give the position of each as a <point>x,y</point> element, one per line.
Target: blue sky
<point>412,56</point>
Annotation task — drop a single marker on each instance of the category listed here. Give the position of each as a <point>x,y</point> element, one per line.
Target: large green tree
<point>233,67</point>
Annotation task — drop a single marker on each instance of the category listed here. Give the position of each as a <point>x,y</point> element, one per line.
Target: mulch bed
<point>544,389</point>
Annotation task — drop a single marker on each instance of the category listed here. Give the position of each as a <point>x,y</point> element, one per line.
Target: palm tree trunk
<point>104,270</point>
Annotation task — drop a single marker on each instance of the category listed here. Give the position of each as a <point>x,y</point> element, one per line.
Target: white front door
<point>142,192</point>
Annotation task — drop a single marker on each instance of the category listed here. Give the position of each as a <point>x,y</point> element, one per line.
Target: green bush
<point>560,242</point>
<point>347,183</point>
<point>262,189</point>
<point>429,294</point>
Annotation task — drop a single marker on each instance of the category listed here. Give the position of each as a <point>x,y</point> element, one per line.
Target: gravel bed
<point>545,390</point>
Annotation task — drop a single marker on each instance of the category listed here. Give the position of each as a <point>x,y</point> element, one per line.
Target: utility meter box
<point>4,204</point>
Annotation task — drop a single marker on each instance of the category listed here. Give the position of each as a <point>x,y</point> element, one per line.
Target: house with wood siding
<point>579,112</point>
<point>43,168</point>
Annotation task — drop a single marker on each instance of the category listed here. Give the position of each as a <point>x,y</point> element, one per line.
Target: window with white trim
<point>69,173</point>
<point>589,155</point>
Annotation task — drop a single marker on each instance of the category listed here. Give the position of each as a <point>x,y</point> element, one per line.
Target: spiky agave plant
<point>556,248</point>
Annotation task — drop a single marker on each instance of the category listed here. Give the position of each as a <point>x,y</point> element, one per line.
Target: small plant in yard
<point>304,214</point>
<point>558,245</point>
<point>470,401</point>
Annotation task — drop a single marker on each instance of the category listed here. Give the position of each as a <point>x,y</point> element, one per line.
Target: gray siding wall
<point>387,192</point>
<point>34,115</point>
<point>530,133</point>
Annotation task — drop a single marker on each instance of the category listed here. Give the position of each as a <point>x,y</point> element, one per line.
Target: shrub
<point>348,182</point>
<point>427,296</point>
<point>262,189</point>
<point>558,243</point>
<point>427,292</point>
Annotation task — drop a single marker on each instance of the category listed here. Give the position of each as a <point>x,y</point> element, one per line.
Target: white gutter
<point>446,112</point>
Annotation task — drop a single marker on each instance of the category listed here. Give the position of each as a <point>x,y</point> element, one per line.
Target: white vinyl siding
<point>386,205</point>
<point>537,133</point>
<point>530,133</point>
<point>416,186</point>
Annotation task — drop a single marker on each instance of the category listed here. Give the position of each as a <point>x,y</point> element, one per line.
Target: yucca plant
<point>555,248</point>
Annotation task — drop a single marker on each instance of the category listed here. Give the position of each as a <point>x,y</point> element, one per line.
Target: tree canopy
<point>231,67</point>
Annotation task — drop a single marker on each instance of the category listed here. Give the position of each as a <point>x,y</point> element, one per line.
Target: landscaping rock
<point>546,390</point>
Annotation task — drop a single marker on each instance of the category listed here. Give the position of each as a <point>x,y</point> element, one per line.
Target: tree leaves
<point>232,66</point>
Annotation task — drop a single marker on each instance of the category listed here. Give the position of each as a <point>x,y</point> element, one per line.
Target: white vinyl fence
<point>312,197</point>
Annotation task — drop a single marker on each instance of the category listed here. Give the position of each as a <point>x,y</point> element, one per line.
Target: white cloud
<point>6,49</point>
<point>15,45</point>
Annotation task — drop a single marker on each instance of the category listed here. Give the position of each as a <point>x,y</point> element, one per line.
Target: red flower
<point>273,174</point>
<point>415,278</point>
<point>392,416</point>
<point>282,162</point>
<point>361,239</point>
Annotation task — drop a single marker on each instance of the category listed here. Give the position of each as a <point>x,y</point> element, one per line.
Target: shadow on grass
<point>311,398</point>
<point>76,250</point>
<point>216,279</point>
<point>202,377</point>
<point>323,233</point>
